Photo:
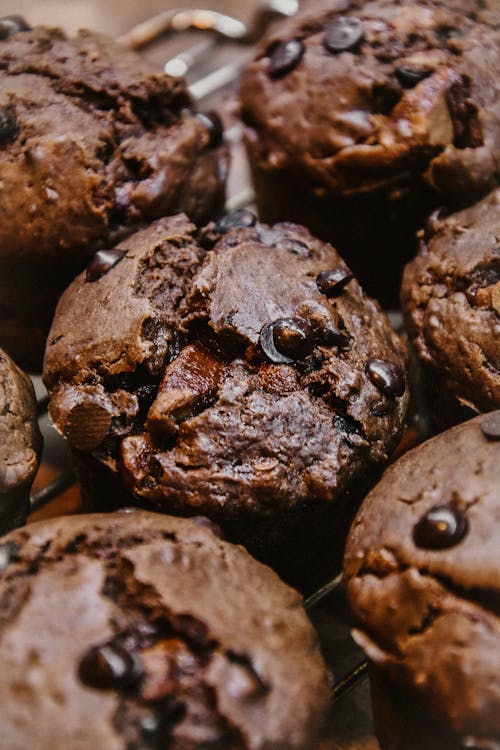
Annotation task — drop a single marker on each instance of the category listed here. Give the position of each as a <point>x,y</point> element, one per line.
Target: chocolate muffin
<point>239,372</point>
<point>422,574</point>
<point>20,443</point>
<point>134,630</point>
<point>360,117</point>
<point>94,142</point>
<point>451,301</point>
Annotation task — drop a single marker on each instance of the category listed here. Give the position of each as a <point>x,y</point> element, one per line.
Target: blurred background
<point>109,16</point>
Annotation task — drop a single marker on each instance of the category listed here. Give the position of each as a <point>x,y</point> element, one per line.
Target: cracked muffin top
<point>20,443</point>
<point>422,575</point>
<point>353,97</point>
<point>134,630</point>
<point>451,301</point>
<point>94,141</point>
<point>238,371</point>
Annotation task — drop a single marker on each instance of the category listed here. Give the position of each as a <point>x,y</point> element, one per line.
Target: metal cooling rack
<point>207,34</point>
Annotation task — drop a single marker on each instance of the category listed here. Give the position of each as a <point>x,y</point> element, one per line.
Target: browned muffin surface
<point>135,630</point>
<point>422,577</point>
<point>94,142</point>
<point>252,381</point>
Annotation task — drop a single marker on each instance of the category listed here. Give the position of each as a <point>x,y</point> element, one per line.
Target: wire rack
<point>210,49</point>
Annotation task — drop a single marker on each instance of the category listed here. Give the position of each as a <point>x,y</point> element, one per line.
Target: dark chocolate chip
<point>287,339</point>
<point>490,425</point>
<point>8,552</point>
<point>409,77</point>
<point>388,377</point>
<point>9,128</point>
<point>213,124</point>
<point>284,57</point>
<point>110,667</point>
<point>266,341</point>
<point>332,336</point>
<point>11,25</point>
<point>102,262</point>
<point>333,281</point>
<point>441,527</point>
<point>343,33</point>
<point>241,218</point>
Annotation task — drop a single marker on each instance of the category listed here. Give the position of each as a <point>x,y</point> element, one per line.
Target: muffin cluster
<point>223,379</point>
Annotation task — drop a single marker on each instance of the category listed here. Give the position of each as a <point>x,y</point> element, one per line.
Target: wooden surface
<point>349,724</point>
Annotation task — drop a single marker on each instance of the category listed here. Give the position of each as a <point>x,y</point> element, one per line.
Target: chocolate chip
<point>441,527</point>
<point>11,25</point>
<point>287,339</point>
<point>332,336</point>
<point>409,77</point>
<point>388,377</point>
<point>490,425</point>
<point>87,424</point>
<point>241,218</point>
<point>333,281</point>
<point>8,552</point>
<point>110,667</point>
<point>9,128</point>
<point>343,33</point>
<point>102,262</point>
<point>213,124</point>
<point>284,57</point>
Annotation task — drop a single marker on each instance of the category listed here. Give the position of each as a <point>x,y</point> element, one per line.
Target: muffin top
<point>20,440</point>
<point>422,575</point>
<point>355,96</point>
<point>134,630</point>
<point>248,377</point>
<point>451,300</point>
<point>94,141</point>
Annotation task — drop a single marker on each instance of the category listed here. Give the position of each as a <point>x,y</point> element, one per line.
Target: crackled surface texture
<point>20,443</point>
<point>374,110</point>
<point>401,90</point>
<point>239,372</point>
<point>94,141</point>
<point>422,572</point>
<point>135,631</point>
<point>451,300</point>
